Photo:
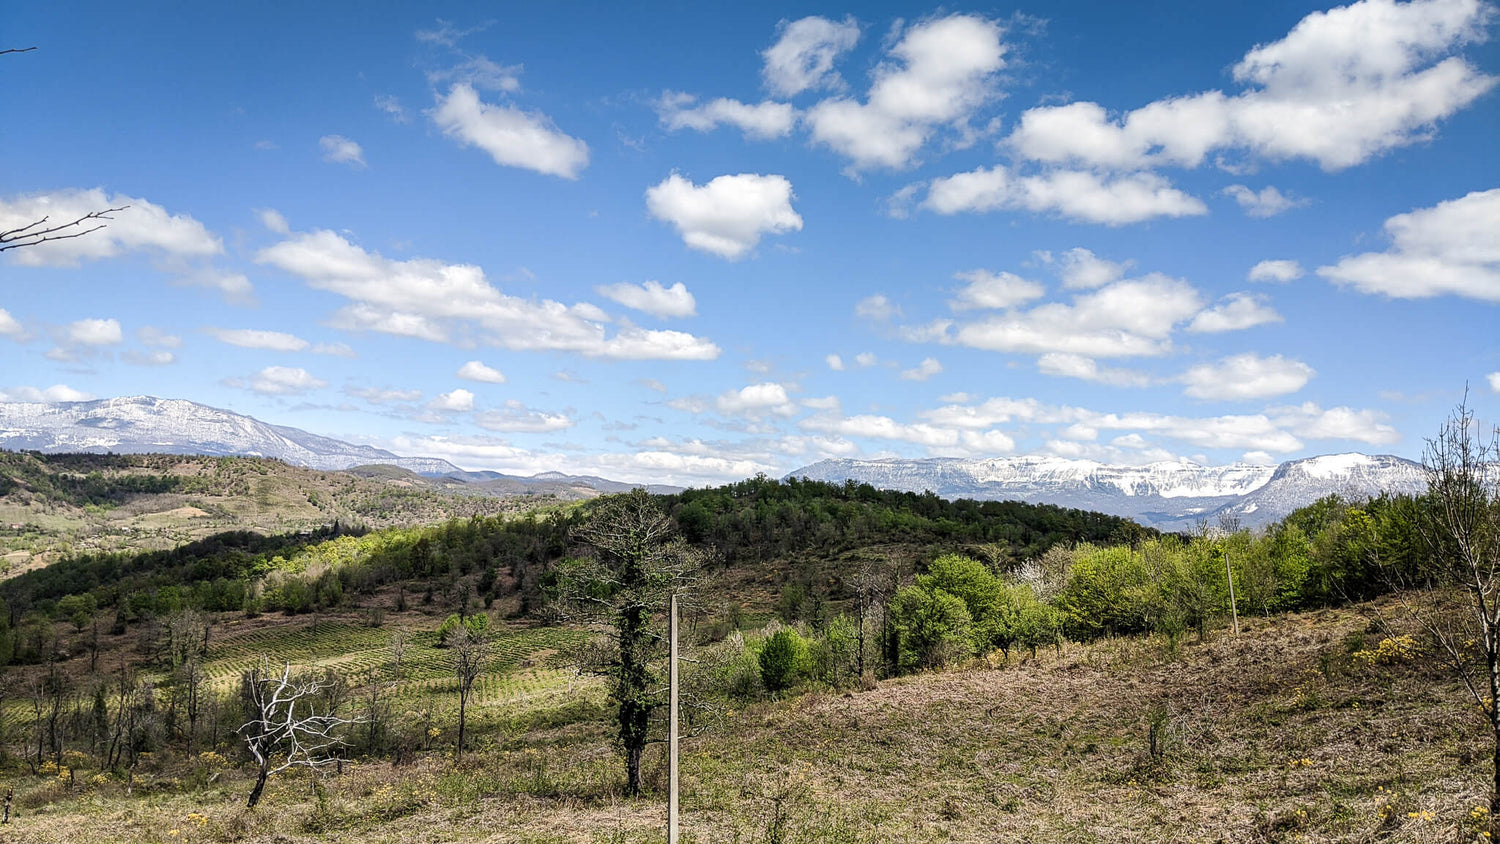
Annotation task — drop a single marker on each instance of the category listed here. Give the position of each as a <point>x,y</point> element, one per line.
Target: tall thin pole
<point>672,734</point>
<point>1233,609</point>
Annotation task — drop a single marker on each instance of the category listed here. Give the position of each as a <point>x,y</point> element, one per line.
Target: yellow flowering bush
<point>1390,651</point>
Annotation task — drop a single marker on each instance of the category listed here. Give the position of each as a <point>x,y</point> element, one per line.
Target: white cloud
<point>728,215</point>
<point>1276,271</point>
<point>94,332</point>
<point>876,307</point>
<point>1267,203</point>
<point>341,150</point>
<point>755,401</point>
<point>1341,87</point>
<point>249,338</point>
<point>476,371</point>
<point>54,393</point>
<point>938,74</point>
<point>1246,376</point>
<point>273,221</point>
<point>390,396</point>
<point>432,300</point>
<point>922,371</point>
<point>1238,311</point>
<point>834,362</point>
<point>338,350</point>
<point>518,418</point>
<point>1494,379</point>
<point>142,226</point>
<point>1078,195</point>
<point>156,338</point>
<point>1067,365</point>
<point>9,327</point>
<point>803,55</point>
<point>1129,318</point>
<point>993,290</point>
<point>1448,249</point>
<point>1081,268</point>
<point>514,138</point>
<point>866,359</point>
<point>1337,423</point>
<point>283,381</point>
<point>235,287</point>
<point>652,298</point>
<point>763,121</point>
<point>155,357</point>
<point>392,107</point>
<point>458,401</point>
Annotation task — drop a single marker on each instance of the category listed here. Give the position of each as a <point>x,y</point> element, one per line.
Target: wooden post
<point>1233,609</point>
<point>672,731</point>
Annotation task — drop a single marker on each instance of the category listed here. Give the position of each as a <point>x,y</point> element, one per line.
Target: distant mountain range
<point>1168,495</point>
<point>144,424</point>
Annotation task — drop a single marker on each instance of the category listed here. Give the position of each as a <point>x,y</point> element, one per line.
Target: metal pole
<point>672,734</point>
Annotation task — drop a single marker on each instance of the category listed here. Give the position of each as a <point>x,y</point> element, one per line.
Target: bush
<point>782,659</point>
<point>933,628</point>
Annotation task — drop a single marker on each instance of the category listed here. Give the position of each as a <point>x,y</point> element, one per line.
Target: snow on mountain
<point>1172,495</point>
<point>139,424</point>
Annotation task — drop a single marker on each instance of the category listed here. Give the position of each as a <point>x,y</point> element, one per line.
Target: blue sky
<point>692,242</point>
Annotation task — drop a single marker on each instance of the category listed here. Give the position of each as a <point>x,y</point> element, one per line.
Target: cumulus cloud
<point>1066,365</point>
<point>516,417</point>
<point>987,290</point>
<point>1448,249</point>
<point>922,371</point>
<point>1238,311</point>
<point>392,107</point>
<point>1494,379</point>
<point>514,138</point>
<point>652,298</point>
<point>428,299</point>
<point>1268,202</point>
<point>142,226</point>
<point>876,307</point>
<point>762,121</point>
<point>93,332</point>
<point>273,221</point>
<point>728,215</point>
<point>1128,318</point>
<point>1081,268</point>
<point>1343,86</point>
<point>1078,195</point>
<point>1276,271</point>
<point>1246,376</point>
<point>457,401</point>
<point>249,338</point>
<point>835,363</point>
<point>476,371</point>
<point>9,326</point>
<point>938,74</point>
<point>280,381</point>
<point>802,57</point>
<point>54,393</point>
<point>341,150</point>
<point>387,396</point>
<point>755,401</point>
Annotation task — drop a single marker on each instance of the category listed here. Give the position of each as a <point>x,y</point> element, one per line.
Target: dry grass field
<point>1300,729</point>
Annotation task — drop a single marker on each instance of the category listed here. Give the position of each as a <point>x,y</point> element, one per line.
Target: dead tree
<point>1460,522</point>
<point>470,647</point>
<point>284,727</point>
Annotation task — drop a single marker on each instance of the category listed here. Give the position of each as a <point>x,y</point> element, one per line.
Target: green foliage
<point>783,659</point>
<point>932,627</point>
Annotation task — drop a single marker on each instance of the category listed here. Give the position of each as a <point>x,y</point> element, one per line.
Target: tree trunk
<point>260,785</point>
<point>633,771</point>
<point>463,704</point>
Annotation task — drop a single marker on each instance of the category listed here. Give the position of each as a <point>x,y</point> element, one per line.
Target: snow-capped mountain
<point>1168,495</point>
<point>143,424</point>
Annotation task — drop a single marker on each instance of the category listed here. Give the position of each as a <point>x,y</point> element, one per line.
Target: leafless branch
<point>31,235</point>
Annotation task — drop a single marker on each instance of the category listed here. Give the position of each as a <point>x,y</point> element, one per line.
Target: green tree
<point>634,562</point>
<point>783,657</point>
<point>932,627</point>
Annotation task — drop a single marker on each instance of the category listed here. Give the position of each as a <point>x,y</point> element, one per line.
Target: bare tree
<point>470,647</point>
<point>284,727</point>
<point>1460,521</point>
<point>43,230</point>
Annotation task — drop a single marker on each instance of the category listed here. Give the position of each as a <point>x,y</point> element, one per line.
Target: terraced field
<point>525,666</point>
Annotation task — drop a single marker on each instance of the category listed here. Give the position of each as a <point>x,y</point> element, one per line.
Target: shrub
<point>933,628</point>
<point>782,659</point>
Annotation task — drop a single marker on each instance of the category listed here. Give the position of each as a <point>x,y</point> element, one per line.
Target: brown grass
<point>1277,735</point>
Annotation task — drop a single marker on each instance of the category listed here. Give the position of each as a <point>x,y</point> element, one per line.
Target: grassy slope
<point>39,519</point>
<point>1275,736</point>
